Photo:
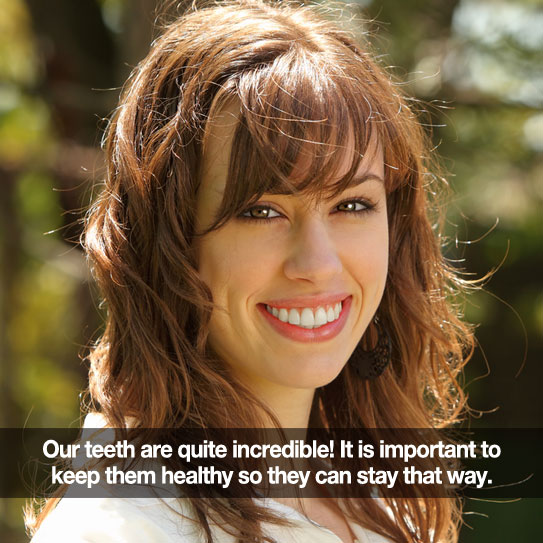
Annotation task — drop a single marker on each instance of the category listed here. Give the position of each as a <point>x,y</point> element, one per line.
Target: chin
<point>311,374</point>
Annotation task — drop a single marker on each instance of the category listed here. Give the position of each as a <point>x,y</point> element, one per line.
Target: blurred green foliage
<point>475,65</point>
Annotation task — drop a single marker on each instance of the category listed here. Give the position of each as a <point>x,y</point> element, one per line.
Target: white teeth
<point>293,317</point>
<point>320,317</point>
<point>307,317</point>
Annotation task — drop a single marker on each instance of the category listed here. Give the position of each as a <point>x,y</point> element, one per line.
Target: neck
<point>293,409</point>
<point>291,406</point>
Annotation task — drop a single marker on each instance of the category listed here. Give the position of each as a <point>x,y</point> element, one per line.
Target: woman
<point>265,248</point>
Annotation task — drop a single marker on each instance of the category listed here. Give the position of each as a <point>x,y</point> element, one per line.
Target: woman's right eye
<point>260,213</point>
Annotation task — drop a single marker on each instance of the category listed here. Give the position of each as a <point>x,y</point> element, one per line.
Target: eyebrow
<point>359,179</point>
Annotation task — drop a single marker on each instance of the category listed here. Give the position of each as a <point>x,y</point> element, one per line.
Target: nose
<point>313,256</point>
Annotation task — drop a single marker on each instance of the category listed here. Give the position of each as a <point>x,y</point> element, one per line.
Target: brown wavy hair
<point>302,85</point>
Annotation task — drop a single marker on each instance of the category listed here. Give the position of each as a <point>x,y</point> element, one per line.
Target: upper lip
<point>307,300</point>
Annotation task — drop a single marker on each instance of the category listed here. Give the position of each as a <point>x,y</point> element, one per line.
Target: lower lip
<point>323,333</point>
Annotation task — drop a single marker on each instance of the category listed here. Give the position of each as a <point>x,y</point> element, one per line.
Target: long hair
<point>302,85</point>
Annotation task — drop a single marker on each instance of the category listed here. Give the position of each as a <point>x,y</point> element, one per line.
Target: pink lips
<point>323,333</point>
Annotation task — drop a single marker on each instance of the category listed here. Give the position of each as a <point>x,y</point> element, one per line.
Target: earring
<point>371,364</point>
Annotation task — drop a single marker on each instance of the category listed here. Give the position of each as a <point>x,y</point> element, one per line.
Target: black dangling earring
<point>371,364</point>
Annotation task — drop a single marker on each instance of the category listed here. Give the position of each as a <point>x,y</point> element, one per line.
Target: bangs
<point>304,126</point>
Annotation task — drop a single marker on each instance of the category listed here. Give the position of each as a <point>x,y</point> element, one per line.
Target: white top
<point>166,520</point>
<point>151,520</point>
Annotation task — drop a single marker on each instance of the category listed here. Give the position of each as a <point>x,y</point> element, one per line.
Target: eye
<point>353,206</point>
<point>260,212</point>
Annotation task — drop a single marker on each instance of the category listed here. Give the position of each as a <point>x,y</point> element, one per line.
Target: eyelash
<point>368,207</point>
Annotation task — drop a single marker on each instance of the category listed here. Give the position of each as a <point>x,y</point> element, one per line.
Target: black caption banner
<point>346,463</point>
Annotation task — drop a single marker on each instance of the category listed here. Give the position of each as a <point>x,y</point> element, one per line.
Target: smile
<point>307,321</point>
<point>307,317</point>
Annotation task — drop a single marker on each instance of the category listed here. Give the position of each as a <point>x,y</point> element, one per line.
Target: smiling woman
<point>288,317</point>
<point>264,247</point>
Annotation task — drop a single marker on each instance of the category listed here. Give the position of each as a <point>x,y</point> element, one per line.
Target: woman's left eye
<point>353,206</point>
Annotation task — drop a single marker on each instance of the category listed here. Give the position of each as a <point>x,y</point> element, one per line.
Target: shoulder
<point>150,520</point>
<point>100,520</point>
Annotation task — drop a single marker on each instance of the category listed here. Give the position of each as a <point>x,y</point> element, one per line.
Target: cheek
<point>236,270</point>
<point>218,265</point>
<point>365,255</point>
<point>234,267</point>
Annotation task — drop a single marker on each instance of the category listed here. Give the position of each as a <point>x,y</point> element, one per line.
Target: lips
<point>305,319</point>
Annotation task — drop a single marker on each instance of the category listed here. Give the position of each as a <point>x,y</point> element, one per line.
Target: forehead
<point>217,164</point>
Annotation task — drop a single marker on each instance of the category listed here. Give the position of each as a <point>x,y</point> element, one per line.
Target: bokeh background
<point>477,65</point>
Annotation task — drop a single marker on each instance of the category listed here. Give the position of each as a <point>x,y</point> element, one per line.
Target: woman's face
<point>295,282</point>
